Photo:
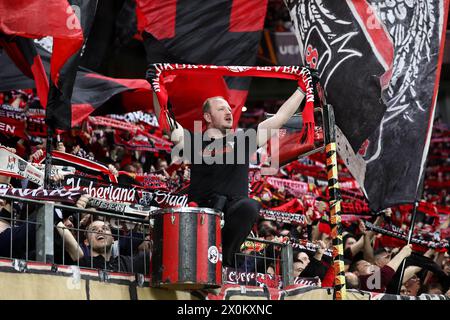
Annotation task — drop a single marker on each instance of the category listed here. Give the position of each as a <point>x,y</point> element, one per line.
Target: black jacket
<point>139,264</point>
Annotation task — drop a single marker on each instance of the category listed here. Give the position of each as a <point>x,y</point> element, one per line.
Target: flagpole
<point>419,191</point>
<point>340,291</point>
<point>48,157</point>
<point>51,100</point>
<point>410,234</point>
<point>411,227</point>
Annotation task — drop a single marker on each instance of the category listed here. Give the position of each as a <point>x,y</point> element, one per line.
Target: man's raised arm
<point>177,134</point>
<point>286,111</point>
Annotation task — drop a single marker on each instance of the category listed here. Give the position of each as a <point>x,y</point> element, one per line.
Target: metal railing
<point>264,255</point>
<point>23,230</point>
<point>34,236</point>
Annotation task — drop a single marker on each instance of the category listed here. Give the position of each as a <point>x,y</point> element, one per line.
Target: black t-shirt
<point>218,166</point>
<point>138,264</point>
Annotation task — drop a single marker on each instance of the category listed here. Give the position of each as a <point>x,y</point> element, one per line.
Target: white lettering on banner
<point>307,79</point>
<point>107,192</point>
<point>306,282</point>
<point>40,193</point>
<point>296,185</point>
<point>101,204</point>
<point>118,194</point>
<point>238,68</point>
<point>10,108</point>
<point>137,116</point>
<point>168,66</point>
<point>396,229</point>
<point>7,128</point>
<point>191,66</point>
<point>286,217</point>
<point>289,49</point>
<point>297,70</point>
<point>71,182</point>
<point>251,278</point>
<point>170,199</point>
<point>8,111</point>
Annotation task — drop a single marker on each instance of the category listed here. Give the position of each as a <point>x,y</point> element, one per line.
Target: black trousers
<point>239,214</point>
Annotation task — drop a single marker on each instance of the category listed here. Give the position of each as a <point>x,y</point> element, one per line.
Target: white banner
<point>14,166</point>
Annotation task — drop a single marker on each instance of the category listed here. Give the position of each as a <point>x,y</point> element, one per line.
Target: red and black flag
<point>68,23</point>
<point>40,18</point>
<point>379,63</point>
<point>23,52</point>
<point>59,111</point>
<point>92,93</point>
<point>214,32</point>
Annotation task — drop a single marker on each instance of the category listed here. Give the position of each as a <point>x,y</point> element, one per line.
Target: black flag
<point>59,111</point>
<point>217,32</point>
<point>93,93</point>
<point>379,63</point>
<point>23,52</point>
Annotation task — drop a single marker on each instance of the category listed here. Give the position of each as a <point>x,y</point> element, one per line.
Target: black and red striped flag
<point>40,18</point>
<point>379,63</point>
<point>23,52</point>
<point>59,111</point>
<point>92,93</point>
<point>216,32</point>
<point>68,23</point>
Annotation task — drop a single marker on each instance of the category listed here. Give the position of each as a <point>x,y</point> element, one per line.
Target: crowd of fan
<point>371,263</point>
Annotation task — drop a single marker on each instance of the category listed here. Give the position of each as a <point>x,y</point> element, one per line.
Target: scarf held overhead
<point>295,73</point>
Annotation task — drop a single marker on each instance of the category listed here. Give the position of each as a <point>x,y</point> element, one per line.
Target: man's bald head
<point>208,102</point>
<point>217,113</point>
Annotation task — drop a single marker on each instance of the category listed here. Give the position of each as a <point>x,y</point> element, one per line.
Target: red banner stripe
<point>247,15</point>
<point>160,17</point>
<point>171,248</point>
<point>40,77</point>
<point>202,247</point>
<point>80,111</point>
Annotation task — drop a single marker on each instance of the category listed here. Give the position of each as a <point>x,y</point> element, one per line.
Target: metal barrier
<point>266,254</point>
<point>130,248</point>
<point>33,236</point>
<point>82,241</point>
<point>20,229</point>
